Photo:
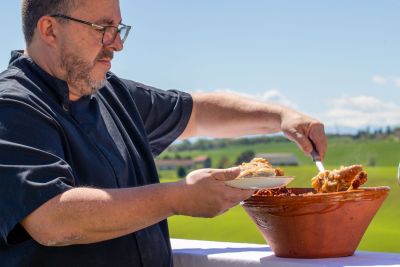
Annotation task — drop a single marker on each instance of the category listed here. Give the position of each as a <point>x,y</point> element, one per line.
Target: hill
<point>341,151</point>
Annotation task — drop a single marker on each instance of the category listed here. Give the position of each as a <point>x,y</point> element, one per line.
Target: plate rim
<point>252,182</point>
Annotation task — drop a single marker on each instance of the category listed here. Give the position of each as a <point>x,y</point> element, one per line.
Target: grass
<point>341,151</point>
<point>235,226</point>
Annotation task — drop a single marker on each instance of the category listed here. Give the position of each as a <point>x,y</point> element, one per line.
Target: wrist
<point>175,197</point>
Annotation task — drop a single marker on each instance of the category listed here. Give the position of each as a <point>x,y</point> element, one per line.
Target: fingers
<point>317,137</point>
<point>210,195</point>
<point>300,139</point>
<point>308,135</point>
<point>226,174</point>
<point>234,194</point>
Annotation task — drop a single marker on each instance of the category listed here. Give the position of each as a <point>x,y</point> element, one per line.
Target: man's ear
<point>47,30</point>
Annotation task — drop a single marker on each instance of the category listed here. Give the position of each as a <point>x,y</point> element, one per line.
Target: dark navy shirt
<point>49,145</point>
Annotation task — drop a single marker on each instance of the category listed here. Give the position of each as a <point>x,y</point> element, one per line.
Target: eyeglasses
<point>109,32</point>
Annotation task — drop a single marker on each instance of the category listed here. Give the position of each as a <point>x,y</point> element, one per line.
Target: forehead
<point>99,11</point>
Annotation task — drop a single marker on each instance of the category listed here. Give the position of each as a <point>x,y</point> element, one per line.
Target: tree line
<point>207,144</point>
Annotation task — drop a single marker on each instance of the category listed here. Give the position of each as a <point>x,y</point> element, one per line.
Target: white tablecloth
<point>195,253</point>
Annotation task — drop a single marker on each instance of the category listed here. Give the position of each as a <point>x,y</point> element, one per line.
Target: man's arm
<point>227,115</point>
<point>88,215</point>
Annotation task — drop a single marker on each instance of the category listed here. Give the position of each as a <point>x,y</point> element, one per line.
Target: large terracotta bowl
<point>315,225</point>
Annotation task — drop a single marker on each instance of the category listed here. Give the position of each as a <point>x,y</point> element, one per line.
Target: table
<point>195,253</point>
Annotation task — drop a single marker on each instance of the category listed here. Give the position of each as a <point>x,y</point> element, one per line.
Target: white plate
<point>260,182</point>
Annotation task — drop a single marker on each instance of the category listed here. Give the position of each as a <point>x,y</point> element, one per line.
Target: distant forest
<point>208,144</point>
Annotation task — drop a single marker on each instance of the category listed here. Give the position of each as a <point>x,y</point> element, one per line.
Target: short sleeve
<point>165,113</point>
<point>32,168</point>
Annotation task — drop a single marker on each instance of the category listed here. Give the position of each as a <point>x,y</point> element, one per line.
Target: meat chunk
<point>346,178</point>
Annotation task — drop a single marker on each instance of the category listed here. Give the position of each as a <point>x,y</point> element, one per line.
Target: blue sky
<point>336,60</point>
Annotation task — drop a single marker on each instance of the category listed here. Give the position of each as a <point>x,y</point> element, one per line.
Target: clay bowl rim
<point>362,193</point>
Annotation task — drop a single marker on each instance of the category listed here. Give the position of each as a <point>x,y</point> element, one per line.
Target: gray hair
<point>33,10</point>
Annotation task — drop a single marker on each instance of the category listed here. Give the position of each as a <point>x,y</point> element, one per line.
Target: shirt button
<point>65,107</point>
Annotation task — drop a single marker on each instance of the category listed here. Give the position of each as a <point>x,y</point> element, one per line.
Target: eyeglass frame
<point>99,27</point>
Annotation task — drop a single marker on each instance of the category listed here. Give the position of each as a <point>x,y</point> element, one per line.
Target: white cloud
<point>396,81</point>
<point>274,96</point>
<point>345,112</point>
<point>379,79</point>
<point>269,96</point>
<point>362,111</point>
<point>385,80</point>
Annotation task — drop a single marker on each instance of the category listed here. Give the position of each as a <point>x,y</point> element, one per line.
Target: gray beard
<point>77,74</point>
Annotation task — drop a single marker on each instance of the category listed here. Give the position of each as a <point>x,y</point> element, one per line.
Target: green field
<point>384,231</point>
<point>341,151</point>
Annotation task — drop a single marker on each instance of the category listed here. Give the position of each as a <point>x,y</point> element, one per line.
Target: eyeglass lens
<point>111,33</point>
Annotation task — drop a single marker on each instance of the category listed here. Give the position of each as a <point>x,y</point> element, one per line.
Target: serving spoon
<point>317,159</point>
<point>398,174</point>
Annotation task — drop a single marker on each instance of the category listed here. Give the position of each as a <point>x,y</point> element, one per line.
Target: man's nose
<point>117,44</point>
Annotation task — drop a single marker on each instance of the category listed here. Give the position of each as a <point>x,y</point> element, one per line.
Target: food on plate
<point>258,167</point>
<point>283,191</point>
<point>344,179</point>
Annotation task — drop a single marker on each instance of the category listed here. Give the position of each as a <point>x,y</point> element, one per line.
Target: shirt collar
<point>57,86</point>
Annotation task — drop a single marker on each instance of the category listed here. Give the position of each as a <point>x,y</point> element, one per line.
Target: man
<point>78,181</point>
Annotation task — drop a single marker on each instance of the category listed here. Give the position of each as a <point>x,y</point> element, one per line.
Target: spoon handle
<point>398,174</point>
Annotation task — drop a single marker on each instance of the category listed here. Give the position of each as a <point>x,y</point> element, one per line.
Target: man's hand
<point>206,194</point>
<point>304,131</point>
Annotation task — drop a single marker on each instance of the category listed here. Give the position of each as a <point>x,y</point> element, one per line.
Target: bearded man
<point>78,182</point>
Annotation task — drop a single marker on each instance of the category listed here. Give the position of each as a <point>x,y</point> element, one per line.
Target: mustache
<point>105,54</point>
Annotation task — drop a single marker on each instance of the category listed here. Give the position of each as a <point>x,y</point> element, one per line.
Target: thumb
<point>226,174</point>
